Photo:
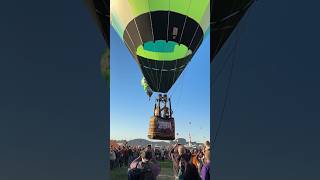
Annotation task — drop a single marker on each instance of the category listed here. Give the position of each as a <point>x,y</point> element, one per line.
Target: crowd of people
<point>122,156</point>
<point>143,162</point>
<point>191,164</point>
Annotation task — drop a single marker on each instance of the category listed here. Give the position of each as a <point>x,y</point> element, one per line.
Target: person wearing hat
<point>145,161</point>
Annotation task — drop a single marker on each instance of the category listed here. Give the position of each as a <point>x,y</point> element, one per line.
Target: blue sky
<point>130,108</point>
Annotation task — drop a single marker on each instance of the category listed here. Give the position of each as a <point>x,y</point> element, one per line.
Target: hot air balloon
<point>162,36</point>
<point>100,11</point>
<point>146,87</point>
<point>225,16</point>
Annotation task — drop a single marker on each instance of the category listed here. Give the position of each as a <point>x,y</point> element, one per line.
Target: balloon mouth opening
<point>163,50</point>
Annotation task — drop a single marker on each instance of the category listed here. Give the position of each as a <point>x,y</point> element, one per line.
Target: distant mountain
<point>180,141</point>
<point>144,142</point>
<point>139,142</point>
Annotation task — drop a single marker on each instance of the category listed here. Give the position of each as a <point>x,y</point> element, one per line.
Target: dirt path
<point>165,174</point>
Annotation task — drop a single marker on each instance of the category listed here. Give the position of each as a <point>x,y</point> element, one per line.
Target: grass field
<point>165,174</point>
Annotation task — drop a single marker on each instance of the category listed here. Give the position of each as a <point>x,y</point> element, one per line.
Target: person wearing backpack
<point>144,167</point>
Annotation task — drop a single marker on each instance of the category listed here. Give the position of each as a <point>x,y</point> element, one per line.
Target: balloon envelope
<point>161,35</point>
<point>100,10</point>
<point>225,16</point>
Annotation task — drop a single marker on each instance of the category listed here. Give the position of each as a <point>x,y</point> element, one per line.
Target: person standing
<point>175,155</point>
<point>112,158</point>
<point>205,171</point>
<point>148,168</point>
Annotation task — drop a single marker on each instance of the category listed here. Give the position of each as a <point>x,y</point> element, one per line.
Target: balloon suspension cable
<point>230,76</point>
<point>165,101</point>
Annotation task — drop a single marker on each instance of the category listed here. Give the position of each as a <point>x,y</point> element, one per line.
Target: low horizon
<point>153,140</point>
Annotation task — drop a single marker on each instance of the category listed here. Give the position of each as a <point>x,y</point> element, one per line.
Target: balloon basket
<point>161,128</point>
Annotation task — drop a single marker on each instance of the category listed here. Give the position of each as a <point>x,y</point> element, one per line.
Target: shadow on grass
<point>166,172</point>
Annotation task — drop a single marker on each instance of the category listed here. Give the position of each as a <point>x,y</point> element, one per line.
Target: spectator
<point>149,166</point>
<point>175,155</point>
<point>112,158</point>
<point>205,172</point>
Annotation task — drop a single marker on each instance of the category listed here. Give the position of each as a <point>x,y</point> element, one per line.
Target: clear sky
<point>130,108</point>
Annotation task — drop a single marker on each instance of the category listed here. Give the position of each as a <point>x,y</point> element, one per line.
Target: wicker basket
<point>162,129</point>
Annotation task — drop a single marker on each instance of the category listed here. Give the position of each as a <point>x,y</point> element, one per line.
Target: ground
<point>166,170</point>
<point>165,174</point>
